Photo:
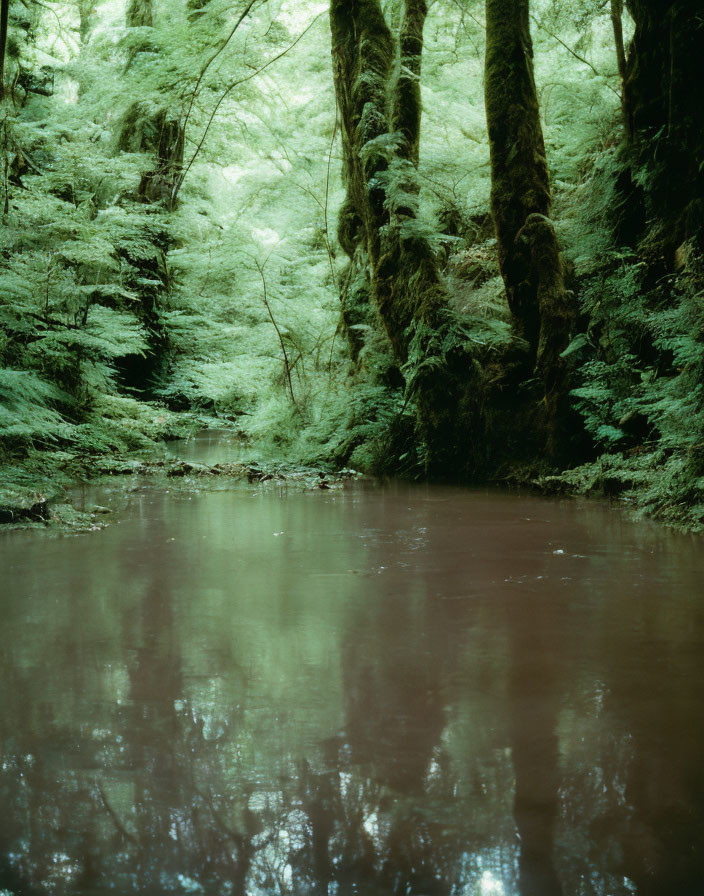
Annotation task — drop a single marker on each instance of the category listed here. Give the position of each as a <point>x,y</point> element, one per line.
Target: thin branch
<point>327,202</point>
<point>287,365</point>
<point>115,817</point>
<point>310,193</point>
<point>576,55</point>
<point>465,12</point>
<point>212,59</point>
<point>229,89</point>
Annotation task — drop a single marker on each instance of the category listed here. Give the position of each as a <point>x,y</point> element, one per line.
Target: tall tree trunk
<point>380,117</point>
<point>617,25</point>
<point>158,185</point>
<point>407,99</point>
<point>358,211</point>
<point>159,133</point>
<point>380,141</point>
<point>529,255</point>
<point>139,14</point>
<point>363,53</point>
<point>4,15</point>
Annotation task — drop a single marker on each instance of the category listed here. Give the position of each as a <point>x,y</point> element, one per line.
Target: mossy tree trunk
<point>529,255</point>
<point>380,118</point>
<point>167,141</point>
<point>139,14</point>
<point>357,216</point>
<point>664,76</point>
<point>158,133</point>
<point>363,54</point>
<point>407,98</point>
<point>377,83</point>
<point>4,16</point>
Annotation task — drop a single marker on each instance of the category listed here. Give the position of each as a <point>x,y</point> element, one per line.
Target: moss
<point>405,280</point>
<point>520,179</point>
<point>407,99</point>
<point>363,52</point>
<point>349,227</point>
<point>139,14</point>
<point>529,256</point>
<point>357,316</point>
<point>381,115</point>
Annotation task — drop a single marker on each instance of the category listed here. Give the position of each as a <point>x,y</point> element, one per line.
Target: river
<point>376,689</point>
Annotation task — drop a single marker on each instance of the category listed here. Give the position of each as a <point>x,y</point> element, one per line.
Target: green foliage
<point>368,421</point>
<point>79,281</point>
<point>434,350</point>
<point>27,405</point>
<point>124,312</point>
<point>640,362</point>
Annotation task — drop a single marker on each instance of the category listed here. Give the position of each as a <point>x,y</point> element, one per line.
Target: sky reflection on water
<point>381,690</point>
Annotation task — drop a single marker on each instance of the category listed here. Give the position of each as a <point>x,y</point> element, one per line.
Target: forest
<point>433,240</point>
<point>351,447</point>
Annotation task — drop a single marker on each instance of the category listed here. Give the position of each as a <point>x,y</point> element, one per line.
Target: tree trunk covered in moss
<point>378,164</point>
<point>4,16</point>
<point>361,106</point>
<point>407,99</point>
<point>168,140</point>
<point>529,255</point>
<point>159,134</point>
<point>363,54</point>
<point>665,73</point>
<point>379,105</point>
<point>139,14</point>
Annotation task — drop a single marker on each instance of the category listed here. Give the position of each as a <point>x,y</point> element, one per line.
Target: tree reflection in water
<point>434,703</point>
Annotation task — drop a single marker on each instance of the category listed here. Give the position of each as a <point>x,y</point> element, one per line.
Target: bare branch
<point>576,55</point>
<point>212,59</point>
<point>287,364</point>
<point>224,94</point>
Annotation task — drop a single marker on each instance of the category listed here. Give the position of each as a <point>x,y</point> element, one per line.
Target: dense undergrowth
<point>138,304</point>
<point>639,358</point>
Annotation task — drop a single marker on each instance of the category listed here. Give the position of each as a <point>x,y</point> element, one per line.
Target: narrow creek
<point>379,689</point>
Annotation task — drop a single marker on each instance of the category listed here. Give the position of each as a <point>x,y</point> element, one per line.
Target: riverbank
<point>42,491</point>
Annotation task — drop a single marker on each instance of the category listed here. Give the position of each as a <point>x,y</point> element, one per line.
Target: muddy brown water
<point>381,689</point>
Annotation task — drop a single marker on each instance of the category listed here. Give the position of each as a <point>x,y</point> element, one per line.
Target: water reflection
<point>392,690</point>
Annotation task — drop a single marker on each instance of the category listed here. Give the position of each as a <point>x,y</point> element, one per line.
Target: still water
<point>381,689</point>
